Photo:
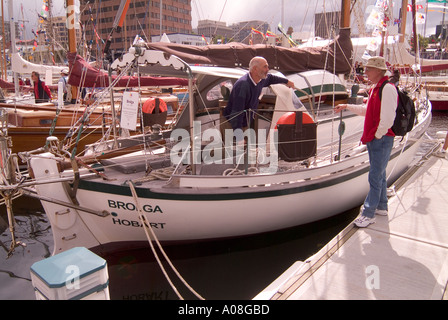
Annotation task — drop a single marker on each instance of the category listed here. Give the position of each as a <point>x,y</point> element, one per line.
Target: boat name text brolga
<point>129,206</point>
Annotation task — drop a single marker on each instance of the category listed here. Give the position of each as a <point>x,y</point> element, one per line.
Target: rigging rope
<point>152,237</point>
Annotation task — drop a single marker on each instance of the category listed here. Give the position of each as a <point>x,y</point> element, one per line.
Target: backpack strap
<point>382,87</point>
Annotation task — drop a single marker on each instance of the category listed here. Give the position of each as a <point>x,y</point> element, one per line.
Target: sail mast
<point>118,23</point>
<point>3,58</point>
<point>404,6</point>
<point>13,41</point>
<point>71,23</point>
<point>414,28</point>
<point>345,14</point>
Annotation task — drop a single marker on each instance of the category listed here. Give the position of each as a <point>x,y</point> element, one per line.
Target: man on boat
<point>246,92</point>
<point>379,115</point>
<point>41,91</point>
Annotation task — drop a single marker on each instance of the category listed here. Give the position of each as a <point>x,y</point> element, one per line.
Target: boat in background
<point>437,92</point>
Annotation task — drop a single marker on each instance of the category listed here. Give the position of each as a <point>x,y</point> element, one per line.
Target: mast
<point>118,24</point>
<point>283,13</point>
<point>345,14</point>
<point>3,58</point>
<point>71,25</point>
<point>402,31</point>
<point>443,32</point>
<point>414,28</point>
<point>161,18</point>
<point>13,41</point>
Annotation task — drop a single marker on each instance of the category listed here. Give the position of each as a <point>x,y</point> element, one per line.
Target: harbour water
<point>235,269</point>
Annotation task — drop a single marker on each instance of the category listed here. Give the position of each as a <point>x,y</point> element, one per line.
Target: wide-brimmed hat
<point>64,71</point>
<point>377,62</point>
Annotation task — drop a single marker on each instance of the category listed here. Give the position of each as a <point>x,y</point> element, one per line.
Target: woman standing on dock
<point>379,115</point>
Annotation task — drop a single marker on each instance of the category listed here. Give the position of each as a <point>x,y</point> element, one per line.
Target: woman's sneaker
<point>364,221</point>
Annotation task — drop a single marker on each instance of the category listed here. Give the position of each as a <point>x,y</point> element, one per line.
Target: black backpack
<point>404,114</point>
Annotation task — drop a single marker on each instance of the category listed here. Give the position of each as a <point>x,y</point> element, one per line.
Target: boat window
<point>215,93</point>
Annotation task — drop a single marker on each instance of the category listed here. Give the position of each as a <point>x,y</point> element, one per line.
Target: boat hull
<point>31,138</point>
<point>191,211</point>
<point>439,104</point>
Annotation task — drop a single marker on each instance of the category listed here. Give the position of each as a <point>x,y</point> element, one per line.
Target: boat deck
<point>401,256</point>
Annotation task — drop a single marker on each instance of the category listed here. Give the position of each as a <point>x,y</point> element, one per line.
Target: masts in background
<point>72,37</point>
<point>3,59</point>
<point>345,14</point>
<point>402,26</point>
<point>414,29</point>
<point>13,41</point>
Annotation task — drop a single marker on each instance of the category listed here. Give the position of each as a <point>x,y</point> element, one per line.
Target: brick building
<point>142,18</point>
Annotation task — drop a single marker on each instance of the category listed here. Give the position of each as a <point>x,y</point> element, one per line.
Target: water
<point>226,270</point>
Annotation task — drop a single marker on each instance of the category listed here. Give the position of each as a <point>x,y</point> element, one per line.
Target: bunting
<point>420,18</point>
<point>203,38</point>
<point>259,32</point>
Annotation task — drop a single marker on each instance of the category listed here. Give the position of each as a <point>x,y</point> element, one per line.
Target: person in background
<point>442,152</point>
<point>378,136</point>
<point>395,78</point>
<point>63,79</point>
<point>42,93</point>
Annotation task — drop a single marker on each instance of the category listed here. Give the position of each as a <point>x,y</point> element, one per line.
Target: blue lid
<point>56,270</point>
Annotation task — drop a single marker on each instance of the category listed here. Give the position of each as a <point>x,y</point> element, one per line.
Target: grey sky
<point>298,14</point>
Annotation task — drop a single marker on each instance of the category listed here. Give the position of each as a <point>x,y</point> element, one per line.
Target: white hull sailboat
<point>116,201</point>
<point>184,186</point>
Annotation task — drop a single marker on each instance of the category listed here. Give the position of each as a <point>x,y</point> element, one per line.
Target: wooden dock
<point>402,256</point>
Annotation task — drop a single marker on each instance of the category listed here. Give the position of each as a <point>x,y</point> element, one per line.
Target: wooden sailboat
<point>29,124</point>
<point>193,186</point>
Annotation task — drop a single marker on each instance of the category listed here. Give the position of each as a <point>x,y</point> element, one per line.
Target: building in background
<point>250,32</point>
<point>143,18</point>
<point>214,30</point>
<point>245,32</point>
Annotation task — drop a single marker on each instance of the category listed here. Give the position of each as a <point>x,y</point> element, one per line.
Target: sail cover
<point>82,74</point>
<point>286,60</point>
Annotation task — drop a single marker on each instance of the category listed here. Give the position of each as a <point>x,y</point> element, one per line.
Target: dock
<point>402,256</point>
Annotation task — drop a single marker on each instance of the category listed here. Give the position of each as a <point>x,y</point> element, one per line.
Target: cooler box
<point>74,274</point>
<point>297,136</point>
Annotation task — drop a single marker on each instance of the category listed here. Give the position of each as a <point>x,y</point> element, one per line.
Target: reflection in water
<point>33,229</point>
<point>231,269</point>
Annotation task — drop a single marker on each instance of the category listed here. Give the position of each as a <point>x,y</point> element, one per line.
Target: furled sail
<point>19,65</point>
<point>283,59</point>
<point>82,74</point>
<point>118,22</point>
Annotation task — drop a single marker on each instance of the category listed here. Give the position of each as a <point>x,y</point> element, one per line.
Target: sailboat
<point>111,202</point>
<point>192,183</point>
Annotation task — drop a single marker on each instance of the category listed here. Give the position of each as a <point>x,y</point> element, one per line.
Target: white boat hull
<point>208,207</point>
